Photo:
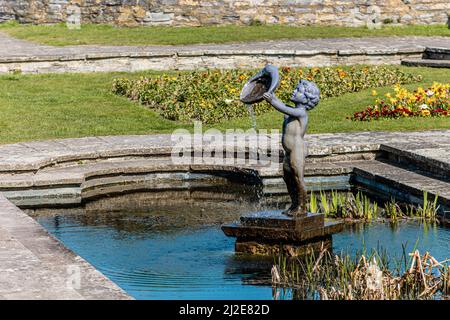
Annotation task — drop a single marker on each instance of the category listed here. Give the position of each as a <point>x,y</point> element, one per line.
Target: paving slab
<point>34,265</point>
<point>12,47</point>
<point>31,57</point>
<point>426,63</point>
<point>34,156</point>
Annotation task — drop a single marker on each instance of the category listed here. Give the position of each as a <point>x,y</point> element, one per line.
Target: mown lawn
<point>60,35</point>
<point>39,107</point>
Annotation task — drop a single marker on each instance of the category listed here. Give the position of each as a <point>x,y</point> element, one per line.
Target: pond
<point>175,249</point>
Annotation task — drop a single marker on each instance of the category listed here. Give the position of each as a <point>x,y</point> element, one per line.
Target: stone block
<point>288,249</point>
<point>279,235</point>
<point>154,18</point>
<point>275,219</point>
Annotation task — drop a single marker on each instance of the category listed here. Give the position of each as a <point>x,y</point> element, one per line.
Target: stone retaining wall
<point>211,12</point>
<point>213,59</point>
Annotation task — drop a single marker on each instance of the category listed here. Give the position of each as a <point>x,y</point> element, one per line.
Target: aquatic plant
<point>363,277</point>
<point>338,201</point>
<point>346,205</point>
<point>392,210</point>
<point>359,206</point>
<point>428,210</point>
<point>313,203</point>
<point>325,205</point>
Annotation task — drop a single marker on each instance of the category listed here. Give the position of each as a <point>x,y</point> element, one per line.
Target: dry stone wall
<point>213,12</point>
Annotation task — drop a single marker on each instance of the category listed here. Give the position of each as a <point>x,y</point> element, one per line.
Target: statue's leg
<point>288,178</point>
<point>297,161</point>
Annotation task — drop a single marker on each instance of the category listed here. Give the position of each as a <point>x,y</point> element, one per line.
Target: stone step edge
<point>78,178</point>
<point>90,175</point>
<point>76,195</point>
<point>361,174</point>
<point>426,63</point>
<point>200,53</point>
<point>51,160</point>
<point>421,162</point>
<point>435,53</point>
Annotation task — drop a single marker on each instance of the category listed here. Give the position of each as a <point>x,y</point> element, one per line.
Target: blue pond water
<point>199,262</point>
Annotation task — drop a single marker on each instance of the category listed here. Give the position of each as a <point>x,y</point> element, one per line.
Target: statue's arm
<point>280,106</point>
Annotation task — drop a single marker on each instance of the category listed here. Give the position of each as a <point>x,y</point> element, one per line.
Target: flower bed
<point>431,102</point>
<point>213,96</point>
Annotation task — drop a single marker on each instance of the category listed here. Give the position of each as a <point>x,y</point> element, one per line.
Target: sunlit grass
<point>37,107</point>
<point>60,35</point>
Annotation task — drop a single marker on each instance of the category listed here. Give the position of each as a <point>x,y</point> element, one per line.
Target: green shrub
<point>212,96</point>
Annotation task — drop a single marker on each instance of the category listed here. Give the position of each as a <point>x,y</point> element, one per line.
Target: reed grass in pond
<point>364,277</point>
<point>359,206</point>
<point>369,274</point>
<point>150,259</point>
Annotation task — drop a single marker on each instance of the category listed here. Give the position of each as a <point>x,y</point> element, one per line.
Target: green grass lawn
<point>39,107</point>
<point>60,35</point>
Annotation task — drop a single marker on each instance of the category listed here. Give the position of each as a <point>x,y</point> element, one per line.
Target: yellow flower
<point>374,92</point>
<point>420,91</point>
<point>425,112</point>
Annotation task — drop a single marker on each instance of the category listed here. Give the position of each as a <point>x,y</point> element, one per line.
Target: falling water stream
<point>251,112</point>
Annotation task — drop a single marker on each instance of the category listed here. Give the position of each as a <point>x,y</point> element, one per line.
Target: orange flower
<point>342,74</point>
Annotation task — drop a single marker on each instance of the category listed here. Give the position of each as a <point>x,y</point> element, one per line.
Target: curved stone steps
<point>34,156</point>
<point>72,185</point>
<point>67,171</point>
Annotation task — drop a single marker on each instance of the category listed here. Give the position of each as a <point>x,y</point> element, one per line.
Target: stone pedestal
<point>268,233</point>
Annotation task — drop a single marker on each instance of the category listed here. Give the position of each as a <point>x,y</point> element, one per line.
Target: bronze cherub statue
<point>306,96</point>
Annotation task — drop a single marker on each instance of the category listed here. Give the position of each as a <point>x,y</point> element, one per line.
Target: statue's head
<point>307,94</point>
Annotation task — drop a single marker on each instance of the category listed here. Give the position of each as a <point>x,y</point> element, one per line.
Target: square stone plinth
<point>271,233</point>
<point>275,226</point>
<point>287,249</point>
<point>283,235</point>
<point>275,219</point>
